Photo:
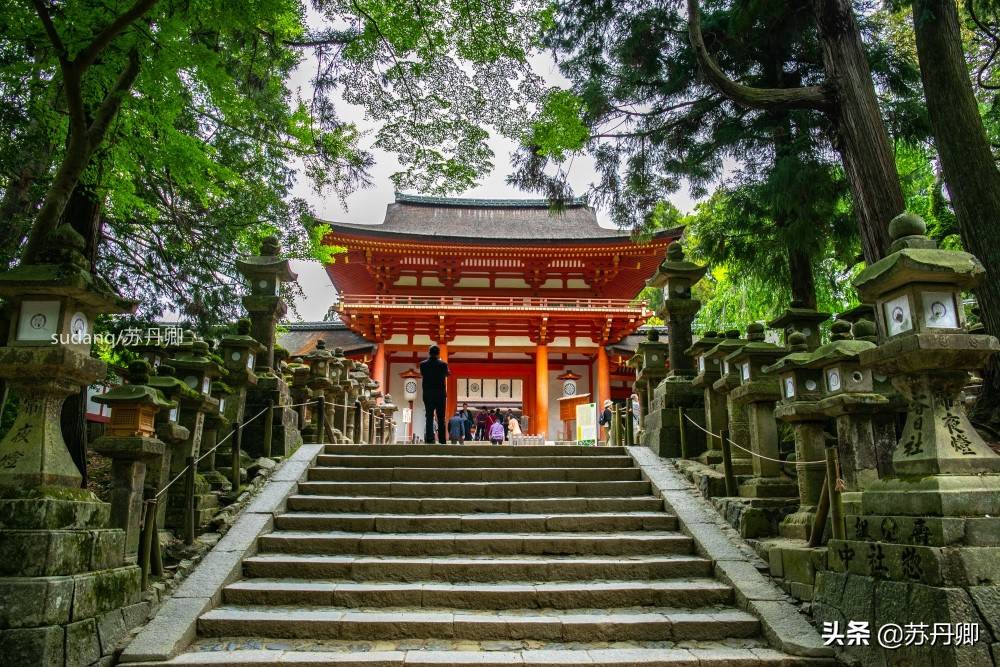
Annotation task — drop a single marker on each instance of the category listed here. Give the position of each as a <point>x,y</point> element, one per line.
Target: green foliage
<point>558,129</point>
<point>199,164</point>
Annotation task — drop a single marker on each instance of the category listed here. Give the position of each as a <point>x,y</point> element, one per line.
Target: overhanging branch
<point>808,97</point>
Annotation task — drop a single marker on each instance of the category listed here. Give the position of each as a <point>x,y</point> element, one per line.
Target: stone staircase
<point>478,555</point>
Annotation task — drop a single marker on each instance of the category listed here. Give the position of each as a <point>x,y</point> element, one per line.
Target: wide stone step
<point>379,504</point>
<point>705,654</point>
<point>441,461</point>
<point>648,624</point>
<point>331,474</point>
<point>444,544</point>
<point>470,568</point>
<point>476,523</point>
<point>685,593</point>
<point>478,489</point>
<point>460,451</point>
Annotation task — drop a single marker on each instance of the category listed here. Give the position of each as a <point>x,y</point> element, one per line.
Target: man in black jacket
<point>434,372</point>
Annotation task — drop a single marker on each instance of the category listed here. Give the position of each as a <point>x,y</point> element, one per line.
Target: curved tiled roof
<point>476,220</point>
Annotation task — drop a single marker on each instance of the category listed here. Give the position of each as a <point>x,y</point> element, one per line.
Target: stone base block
<point>935,566</point>
<point>934,495</point>
<point>797,565</point>
<point>755,517</point>
<point>33,647</point>
<point>798,526</point>
<point>769,487</point>
<point>217,481</point>
<point>54,509</point>
<point>44,553</point>
<point>710,481</point>
<point>843,597</point>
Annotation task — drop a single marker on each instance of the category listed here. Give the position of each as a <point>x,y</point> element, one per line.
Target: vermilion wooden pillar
<point>541,421</point>
<point>378,368</point>
<point>603,377</point>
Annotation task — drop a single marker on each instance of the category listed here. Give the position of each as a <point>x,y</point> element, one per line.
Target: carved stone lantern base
<point>662,432</point>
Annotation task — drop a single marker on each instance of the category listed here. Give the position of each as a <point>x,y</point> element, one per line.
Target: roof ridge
<point>402,198</point>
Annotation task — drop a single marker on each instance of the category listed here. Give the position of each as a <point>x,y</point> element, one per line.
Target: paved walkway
<point>475,555</point>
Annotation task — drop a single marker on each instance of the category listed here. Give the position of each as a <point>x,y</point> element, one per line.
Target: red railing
<point>449,302</point>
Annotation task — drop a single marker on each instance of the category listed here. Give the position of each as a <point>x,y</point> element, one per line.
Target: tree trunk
<point>970,171</point>
<point>862,140</point>
<point>803,282</point>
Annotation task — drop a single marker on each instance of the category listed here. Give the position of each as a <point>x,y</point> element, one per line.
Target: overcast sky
<point>368,206</point>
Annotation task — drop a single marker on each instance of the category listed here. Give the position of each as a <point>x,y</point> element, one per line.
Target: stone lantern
<point>738,424</point>
<point>47,358</point>
<point>801,390</point>
<point>216,426</point>
<point>716,419</point>
<point>759,392</point>
<point>320,377</point>
<point>130,443</point>
<point>239,353</point>
<point>264,274</point>
<point>929,536</point>
<point>168,429</point>
<point>63,559</point>
<point>153,352</point>
<point>389,410</point>
<point>195,369</point>
<point>805,321</point>
<point>651,365</point>
<point>676,276</point>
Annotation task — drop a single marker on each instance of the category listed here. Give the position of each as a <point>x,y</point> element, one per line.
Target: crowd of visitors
<point>482,425</point>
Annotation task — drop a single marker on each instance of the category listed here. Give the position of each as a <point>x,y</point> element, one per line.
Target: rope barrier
<point>760,456</point>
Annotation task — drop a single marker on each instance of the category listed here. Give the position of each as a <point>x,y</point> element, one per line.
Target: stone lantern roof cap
<point>799,357</point>
<point>726,346</point>
<point>64,271</point>
<point>166,381</point>
<point>864,311</point>
<point>675,266</point>
<point>137,391</point>
<point>267,265</point>
<point>838,350</point>
<point>710,340</point>
<point>196,357</point>
<point>917,259</point>
<point>242,337</point>
<point>795,314</point>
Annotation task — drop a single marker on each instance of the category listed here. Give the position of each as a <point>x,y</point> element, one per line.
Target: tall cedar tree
<point>970,168</point>
<point>651,122</point>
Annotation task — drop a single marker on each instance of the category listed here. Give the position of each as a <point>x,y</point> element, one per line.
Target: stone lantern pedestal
<point>63,570</point>
<point>925,547</point>
<point>389,410</point>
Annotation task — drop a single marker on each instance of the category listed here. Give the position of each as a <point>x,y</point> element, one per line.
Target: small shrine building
<point>528,306</point>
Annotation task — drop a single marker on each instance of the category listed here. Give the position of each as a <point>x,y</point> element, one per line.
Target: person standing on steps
<point>434,373</point>
<point>605,420</point>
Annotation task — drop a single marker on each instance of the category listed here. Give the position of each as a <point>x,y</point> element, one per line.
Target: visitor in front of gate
<point>456,429</point>
<point>496,432</point>
<point>434,371</point>
<point>513,427</point>
<point>466,416</point>
<point>506,423</point>
<point>605,420</point>
<point>481,425</point>
<point>635,416</point>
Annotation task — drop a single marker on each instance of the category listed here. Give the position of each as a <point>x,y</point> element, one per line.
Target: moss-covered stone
<point>33,647</point>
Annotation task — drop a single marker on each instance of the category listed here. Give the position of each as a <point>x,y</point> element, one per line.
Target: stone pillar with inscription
<point>64,570</point>
<point>676,399</point>
<point>923,549</point>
